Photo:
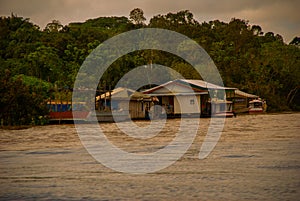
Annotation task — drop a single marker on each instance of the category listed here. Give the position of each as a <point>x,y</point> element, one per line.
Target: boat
<point>62,111</point>
<point>257,106</point>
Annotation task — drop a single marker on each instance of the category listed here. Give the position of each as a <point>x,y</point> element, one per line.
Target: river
<point>256,158</point>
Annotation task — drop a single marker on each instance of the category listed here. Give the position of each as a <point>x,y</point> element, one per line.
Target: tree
<point>256,30</point>
<point>54,26</point>
<point>246,57</point>
<point>295,41</point>
<point>137,16</point>
<point>45,64</point>
<point>20,104</point>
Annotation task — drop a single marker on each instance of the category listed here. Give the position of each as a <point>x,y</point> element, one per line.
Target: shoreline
<point>23,127</point>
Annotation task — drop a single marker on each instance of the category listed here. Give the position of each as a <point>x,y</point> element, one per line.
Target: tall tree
<point>137,16</point>
<point>54,26</point>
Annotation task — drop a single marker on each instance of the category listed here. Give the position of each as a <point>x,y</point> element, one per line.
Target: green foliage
<point>20,104</point>
<point>137,16</point>
<point>38,59</point>
<point>35,84</point>
<point>54,26</point>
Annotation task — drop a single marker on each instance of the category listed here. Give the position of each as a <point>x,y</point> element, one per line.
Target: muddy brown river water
<point>256,158</point>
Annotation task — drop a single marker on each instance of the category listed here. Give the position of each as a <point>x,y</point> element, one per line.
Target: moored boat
<point>257,106</point>
<point>62,111</point>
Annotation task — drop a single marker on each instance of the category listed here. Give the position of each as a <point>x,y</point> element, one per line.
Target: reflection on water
<point>256,158</point>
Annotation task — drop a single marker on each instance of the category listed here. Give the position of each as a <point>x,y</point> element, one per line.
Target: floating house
<point>241,101</point>
<point>181,97</point>
<point>123,103</point>
<point>248,103</point>
<point>193,98</point>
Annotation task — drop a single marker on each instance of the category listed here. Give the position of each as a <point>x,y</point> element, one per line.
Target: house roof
<point>199,86</point>
<point>120,92</point>
<point>204,85</point>
<point>123,93</point>
<point>244,94</point>
<point>177,94</point>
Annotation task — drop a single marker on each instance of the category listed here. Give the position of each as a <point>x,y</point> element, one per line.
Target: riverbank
<point>20,127</point>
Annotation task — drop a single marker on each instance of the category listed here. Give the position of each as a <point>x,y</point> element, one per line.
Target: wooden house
<point>123,102</point>
<point>193,98</point>
<point>241,101</point>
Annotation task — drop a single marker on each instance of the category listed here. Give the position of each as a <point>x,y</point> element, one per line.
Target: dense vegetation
<point>35,62</point>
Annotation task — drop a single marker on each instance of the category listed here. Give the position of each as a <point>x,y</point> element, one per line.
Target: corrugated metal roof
<point>178,94</point>
<point>197,85</point>
<point>244,94</point>
<point>123,93</point>
<point>204,84</point>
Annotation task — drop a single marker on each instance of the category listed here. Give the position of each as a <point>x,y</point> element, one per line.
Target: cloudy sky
<point>278,16</point>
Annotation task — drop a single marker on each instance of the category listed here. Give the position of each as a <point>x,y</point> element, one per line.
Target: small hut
<point>241,101</point>
<point>123,101</point>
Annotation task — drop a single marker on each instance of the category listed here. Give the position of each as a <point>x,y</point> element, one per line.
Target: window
<point>192,102</point>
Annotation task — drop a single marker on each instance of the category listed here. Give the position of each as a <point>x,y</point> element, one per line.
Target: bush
<point>20,104</point>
